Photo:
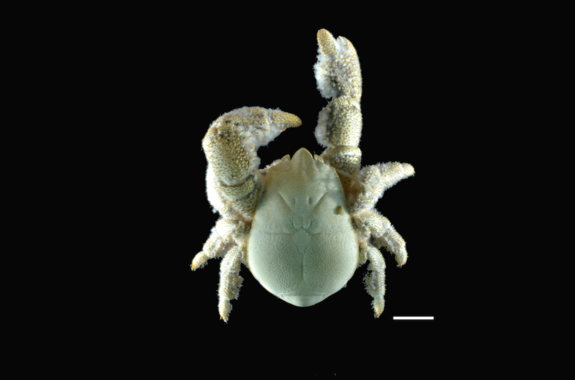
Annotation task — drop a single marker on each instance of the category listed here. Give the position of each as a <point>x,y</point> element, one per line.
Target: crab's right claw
<point>232,140</point>
<point>230,146</point>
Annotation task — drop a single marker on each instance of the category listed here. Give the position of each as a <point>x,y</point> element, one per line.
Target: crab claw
<point>337,70</point>
<point>233,139</point>
<point>339,124</point>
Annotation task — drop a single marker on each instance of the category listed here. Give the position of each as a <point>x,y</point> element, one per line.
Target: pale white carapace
<point>302,246</point>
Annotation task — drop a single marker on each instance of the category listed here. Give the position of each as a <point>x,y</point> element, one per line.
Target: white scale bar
<point>415,318</point>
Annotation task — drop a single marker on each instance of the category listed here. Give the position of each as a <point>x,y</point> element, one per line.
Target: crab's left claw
<point>338,76</point>
<point>337,70</point>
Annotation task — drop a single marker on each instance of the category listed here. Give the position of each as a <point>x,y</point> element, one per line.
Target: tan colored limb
<point>232,139</point>
<point>337,71</point>
<point>393,243</point>
<point>393,172</point>
<point>228,240</point>
<point>230,146</point>
<point>374,180</point>
<point>375,279</point>
<point>213,248</point>
<point>363,245</point>
<point>230,280</point>
<point>338,75</point>
<point>378,227</point>
<point>225,234</point>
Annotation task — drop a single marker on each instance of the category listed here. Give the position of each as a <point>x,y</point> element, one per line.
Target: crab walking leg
<point>375,279</point>
<point>230,146</point>
<point>375,179</point>
<point>224,234</point>
<point>363,245</point>
<point>230,280</point>
<point>386,236</point>
<point>393,172</point>
<point>214,247</point>
<point>338,75</point>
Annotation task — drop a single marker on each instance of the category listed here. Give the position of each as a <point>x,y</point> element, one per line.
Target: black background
<point>126,94</point>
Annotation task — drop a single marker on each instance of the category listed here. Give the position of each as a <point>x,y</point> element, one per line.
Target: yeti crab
<point>304,224</point>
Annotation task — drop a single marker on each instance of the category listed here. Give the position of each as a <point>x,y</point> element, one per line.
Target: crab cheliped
<point>304,224</point>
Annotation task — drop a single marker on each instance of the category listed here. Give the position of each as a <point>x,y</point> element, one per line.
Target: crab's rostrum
<point>304,224</point>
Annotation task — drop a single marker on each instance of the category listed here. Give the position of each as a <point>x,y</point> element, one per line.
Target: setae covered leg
<point>230,279</point>
<point>227,233</point>
<point>378,227</point>
<point>374,180</point>
<point>227,240</point>
<point>375,279</point>
<point>230,146</point>
<point>339,126</point>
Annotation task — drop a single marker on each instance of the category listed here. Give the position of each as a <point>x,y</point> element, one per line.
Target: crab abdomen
<point>302,246</point>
